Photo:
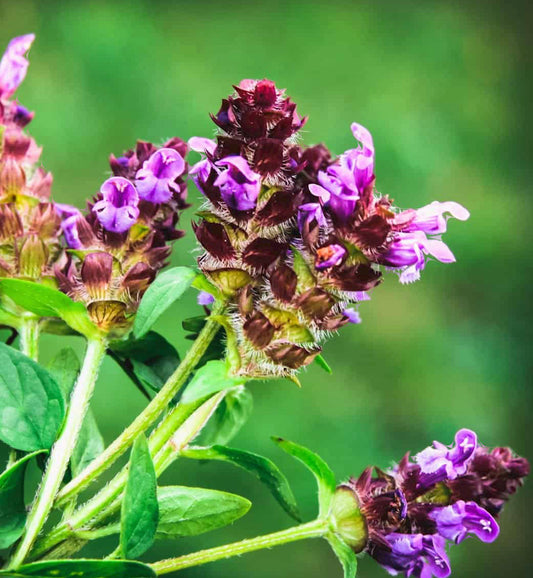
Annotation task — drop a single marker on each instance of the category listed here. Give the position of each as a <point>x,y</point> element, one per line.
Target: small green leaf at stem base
<point>167,288</point>
<point>317,466</point>
<point>345,555</point>
<point>83,569</point>
<point>31,404</point>
<point>232,413</point>
<point>211,378</point>
<point>12,507</point>
<point>47,302</point>
<point>263,468</point>
<point>140,511</point>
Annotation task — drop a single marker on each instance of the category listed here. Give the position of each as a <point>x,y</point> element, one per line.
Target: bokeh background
<point>445,90</point>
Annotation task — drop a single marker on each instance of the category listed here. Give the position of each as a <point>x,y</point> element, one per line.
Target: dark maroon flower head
<point>258,123</point>
<point>445,494</point>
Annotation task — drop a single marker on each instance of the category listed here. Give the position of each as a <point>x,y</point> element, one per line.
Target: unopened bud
<point>347,519</point>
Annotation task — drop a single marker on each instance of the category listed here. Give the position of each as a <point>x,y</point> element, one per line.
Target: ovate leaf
<point>31,404</point>
<point>190,511</point>
<point>167,288</point>
<point>47,302</point>
<point>12,507</point>
<point>84,569</point>
<point>211,378</point>
<point>232,413</point>
<point>89,446</point>
<point>140,512</point>
<point>324,476</point>
<point>64,368</point>
<point>263,468</point>
<point>345,555</point>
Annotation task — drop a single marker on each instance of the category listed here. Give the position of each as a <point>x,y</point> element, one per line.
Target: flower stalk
<point>29,337</point>
<point>62,449</point>
<point>150,414</point>
<point>315,529</point>
<point>176,430</point>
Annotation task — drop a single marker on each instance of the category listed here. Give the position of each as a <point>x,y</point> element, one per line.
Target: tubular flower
<point>410,517</point>
<point>122,240</point>
<point>29,221</point>
<point>294,237</point>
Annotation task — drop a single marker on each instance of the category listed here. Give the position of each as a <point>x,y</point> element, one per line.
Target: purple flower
<point>329,256</point>
<point>431,219</point>
<point>14,65</point>
<point>205,298</point>
<point>462,518</point>
<point>417,555</point>
<point>308,213</point>
<point>440,462</point>
<point>69,224</point>
<point>343,183</point>
<point>118,209</point>
<point>154,181</point>
<point>408,251</point>
<point>352,315</point>
<point>239,185</point>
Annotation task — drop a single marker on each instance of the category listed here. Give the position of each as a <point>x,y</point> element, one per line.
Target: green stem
<point>314,529</point>
<point>29,337</point>
<point>62,449</point>
<point>188,420</point>
<point>150,414</point>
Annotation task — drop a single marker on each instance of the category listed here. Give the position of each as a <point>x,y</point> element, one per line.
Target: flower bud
<point>347,519</point>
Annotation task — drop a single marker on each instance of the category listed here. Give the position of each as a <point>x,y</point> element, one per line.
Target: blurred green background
<point>443,86</point>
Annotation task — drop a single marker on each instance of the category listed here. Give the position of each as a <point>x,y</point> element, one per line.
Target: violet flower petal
<point>118,210</point>
<point>14,64</point>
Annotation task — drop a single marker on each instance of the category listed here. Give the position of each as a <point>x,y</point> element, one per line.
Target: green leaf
<point>47,302</point>
<point>232,413</point>
<point>190,511</point>
<point>264,469</point>
<point>211,378</point>
<point>83,569</point>
<point>345,555</point>
<point>140,512</point>
<point>148,361</point>
<point>64,368</point>
<point>317,466</point>
<point>167,287</point>
<point>12,507</point>
<point>31,404</point>
<point>89,446</point>
<point>319,360</point>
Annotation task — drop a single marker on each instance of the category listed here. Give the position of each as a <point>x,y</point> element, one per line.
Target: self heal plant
<point>292,239</point>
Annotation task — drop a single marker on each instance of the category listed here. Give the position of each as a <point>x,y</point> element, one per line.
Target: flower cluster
<point>444,495</point>
<point>119,244</point>
<point>295,238</point>
<point>29,222</point>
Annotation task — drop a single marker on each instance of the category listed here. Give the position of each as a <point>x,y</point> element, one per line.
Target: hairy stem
<point>188,420</point>
<point>314,529</point>
<point>29,336</point>
<point>62,449</point>
<point>149,415</point>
